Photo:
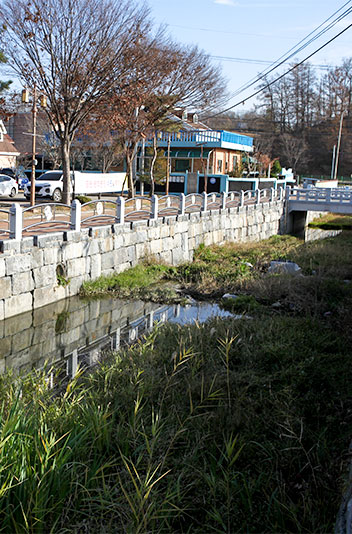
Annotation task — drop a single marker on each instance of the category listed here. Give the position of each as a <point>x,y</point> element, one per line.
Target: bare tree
<point>166,75</point>
<point>74,52</point>
<point>294,150</point>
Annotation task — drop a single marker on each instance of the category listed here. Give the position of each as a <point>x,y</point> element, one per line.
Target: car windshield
<point>52,176</point>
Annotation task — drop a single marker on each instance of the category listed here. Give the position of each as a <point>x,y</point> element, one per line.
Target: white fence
<point>49,217</point>
<point>319,199</point>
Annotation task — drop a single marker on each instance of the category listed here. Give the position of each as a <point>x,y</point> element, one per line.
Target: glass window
<point>219,165</point>
<point>50,176</point>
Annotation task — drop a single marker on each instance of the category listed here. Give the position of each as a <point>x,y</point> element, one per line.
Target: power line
<point>228,32</point>
<point>258,61</point>
<point>274,65</point>
<point>282,75</point>
<point>294,50</point>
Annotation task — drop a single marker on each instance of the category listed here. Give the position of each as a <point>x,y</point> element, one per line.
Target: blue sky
<point>260,30</point>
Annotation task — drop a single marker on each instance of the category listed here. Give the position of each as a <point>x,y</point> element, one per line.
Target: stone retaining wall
<point>29,268</point>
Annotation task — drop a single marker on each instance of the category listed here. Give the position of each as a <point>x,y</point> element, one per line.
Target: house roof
<point>7,146</point>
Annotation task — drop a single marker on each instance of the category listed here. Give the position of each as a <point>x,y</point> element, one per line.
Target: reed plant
<point>223,427</point>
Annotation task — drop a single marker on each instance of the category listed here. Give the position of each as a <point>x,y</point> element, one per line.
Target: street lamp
<point>43,103</point>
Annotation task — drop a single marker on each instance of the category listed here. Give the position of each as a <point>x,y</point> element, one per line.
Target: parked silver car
<point>8,186</point>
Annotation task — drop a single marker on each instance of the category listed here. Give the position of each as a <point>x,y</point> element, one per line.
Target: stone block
<point>22,283</point>
<point>27,244</point>
<point>2,311</point>
<point>76,267</point>
<point>72,236</point>
<point>47,295</point>
<point>44,276</point>
<point>142,236</point>
<point>167,243</point>
<point>75,285</point>
<point>118,241</point>
<point>122,267</point>
<point>131,254</point>
<point>10,246</point>
<point>6,347</point>
<point>5,287</point>
<point>72,251</point>
<point>2,267</point>
<point>18,263</point>
<point>138,224</point>
<point>142,250</point>
<point>166,257</point>
<point>100,231</point>
<point>164,231</point>
<point>179,256</point>
<point>48,240</point>
<point>51,255</point>
<point>18,304</point>
<point>129,238</point>
<point>154,233</point>
<point>106,244</point>
<point>37,258</point>
<point>182,218</point>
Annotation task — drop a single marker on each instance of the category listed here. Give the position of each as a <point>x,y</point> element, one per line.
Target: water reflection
<point>76,332</point>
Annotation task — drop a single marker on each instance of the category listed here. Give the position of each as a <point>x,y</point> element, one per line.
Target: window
<point>234,163</point>
<point>219,167</point>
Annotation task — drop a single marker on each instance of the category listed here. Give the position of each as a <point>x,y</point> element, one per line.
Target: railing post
<point>272,193</point>
<point>154,207</point>
<point>223,200</point>
<point>76,215</point>
<point>328,195</point>
<point>257,197</point>
<point>16,221</point>
<point>182,204</point>
<point>287,192</point>
<point>205,202</point>
<point>120,210</point>
<point>241,198</point>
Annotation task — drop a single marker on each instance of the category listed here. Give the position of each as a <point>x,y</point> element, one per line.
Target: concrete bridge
<point>318,199</point>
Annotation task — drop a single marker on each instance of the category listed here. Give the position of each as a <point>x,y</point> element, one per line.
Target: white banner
<point>97,182</point>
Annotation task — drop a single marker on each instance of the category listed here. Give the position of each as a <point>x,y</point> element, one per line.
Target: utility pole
<point>34,161</point>
<point>43,102</point>
<point>338,145</point>
<point>333,162</point>
<point>168,164</point>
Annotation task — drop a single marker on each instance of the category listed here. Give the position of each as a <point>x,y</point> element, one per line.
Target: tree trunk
<point>155,155</point>
<point>65,154</point>
<point>130,184</point>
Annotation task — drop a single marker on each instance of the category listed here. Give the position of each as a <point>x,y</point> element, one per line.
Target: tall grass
<point>227,427</point>
<point>231,426</point>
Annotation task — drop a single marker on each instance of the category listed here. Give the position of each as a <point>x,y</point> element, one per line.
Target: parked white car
<point>49,184</point>
<point>8,186</point>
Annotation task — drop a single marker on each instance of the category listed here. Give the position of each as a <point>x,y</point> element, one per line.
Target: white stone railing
<point>318,194</point>
<point>4,222</point>
<point>319,199</point>
<point>51,216</point>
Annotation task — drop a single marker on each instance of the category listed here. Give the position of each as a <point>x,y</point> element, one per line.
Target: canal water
<point>77,332</point>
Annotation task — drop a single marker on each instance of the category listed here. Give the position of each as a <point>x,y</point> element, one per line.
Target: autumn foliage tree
<point>166,75</point>
<point>74,52</point>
